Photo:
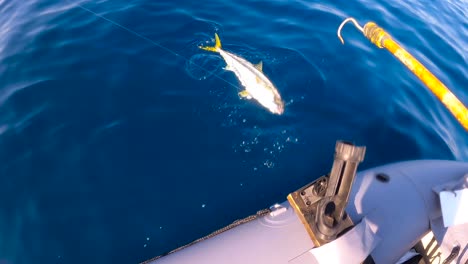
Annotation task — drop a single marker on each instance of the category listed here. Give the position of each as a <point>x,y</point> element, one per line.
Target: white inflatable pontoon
<point>387,211</point>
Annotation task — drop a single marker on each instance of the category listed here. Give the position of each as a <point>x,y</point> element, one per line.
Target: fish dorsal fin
<point>259,66</point>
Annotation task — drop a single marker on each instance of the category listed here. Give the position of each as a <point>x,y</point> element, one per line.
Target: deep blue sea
<point>121,140</point>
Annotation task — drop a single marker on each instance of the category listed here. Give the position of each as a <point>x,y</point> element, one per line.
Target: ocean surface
<point>121,140</point>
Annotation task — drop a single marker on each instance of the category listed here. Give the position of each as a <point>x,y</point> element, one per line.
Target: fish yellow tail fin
<point>216,47</point>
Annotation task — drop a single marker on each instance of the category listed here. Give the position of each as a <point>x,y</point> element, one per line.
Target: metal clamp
<point>321,204</point>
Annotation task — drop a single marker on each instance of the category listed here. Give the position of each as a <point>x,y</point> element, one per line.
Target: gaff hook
<point>356,24</point>
<point>382,39</point>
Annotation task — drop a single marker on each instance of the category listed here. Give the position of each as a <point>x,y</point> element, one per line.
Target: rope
<point>236,223</point>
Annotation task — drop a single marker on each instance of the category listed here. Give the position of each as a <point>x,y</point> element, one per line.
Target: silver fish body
<point>256,84</point>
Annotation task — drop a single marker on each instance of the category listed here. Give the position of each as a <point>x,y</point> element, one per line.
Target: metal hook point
<point>356,24</point>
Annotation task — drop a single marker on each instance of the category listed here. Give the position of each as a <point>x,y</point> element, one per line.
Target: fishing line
<point>150,41</point>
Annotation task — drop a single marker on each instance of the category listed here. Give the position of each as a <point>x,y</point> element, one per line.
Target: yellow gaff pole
<point>382,39</point>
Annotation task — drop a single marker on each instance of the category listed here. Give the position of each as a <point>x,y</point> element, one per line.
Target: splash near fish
<point>257,85</point>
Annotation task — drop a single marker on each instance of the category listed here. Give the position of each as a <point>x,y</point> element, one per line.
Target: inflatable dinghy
<point>378,215</point>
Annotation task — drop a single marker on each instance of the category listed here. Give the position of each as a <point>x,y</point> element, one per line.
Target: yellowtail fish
<point>257,85</point>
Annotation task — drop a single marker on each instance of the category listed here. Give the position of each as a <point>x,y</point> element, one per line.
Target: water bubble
<point>269,164</point>
<point>147,239</point>
<point>203,205</point>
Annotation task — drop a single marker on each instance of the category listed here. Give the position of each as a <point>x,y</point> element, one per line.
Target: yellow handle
<point>382,39</point>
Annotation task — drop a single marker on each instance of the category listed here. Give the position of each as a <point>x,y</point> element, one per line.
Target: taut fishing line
<point>150,41</point>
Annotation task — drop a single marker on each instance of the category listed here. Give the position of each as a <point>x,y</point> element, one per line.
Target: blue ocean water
<point>115,146</point>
